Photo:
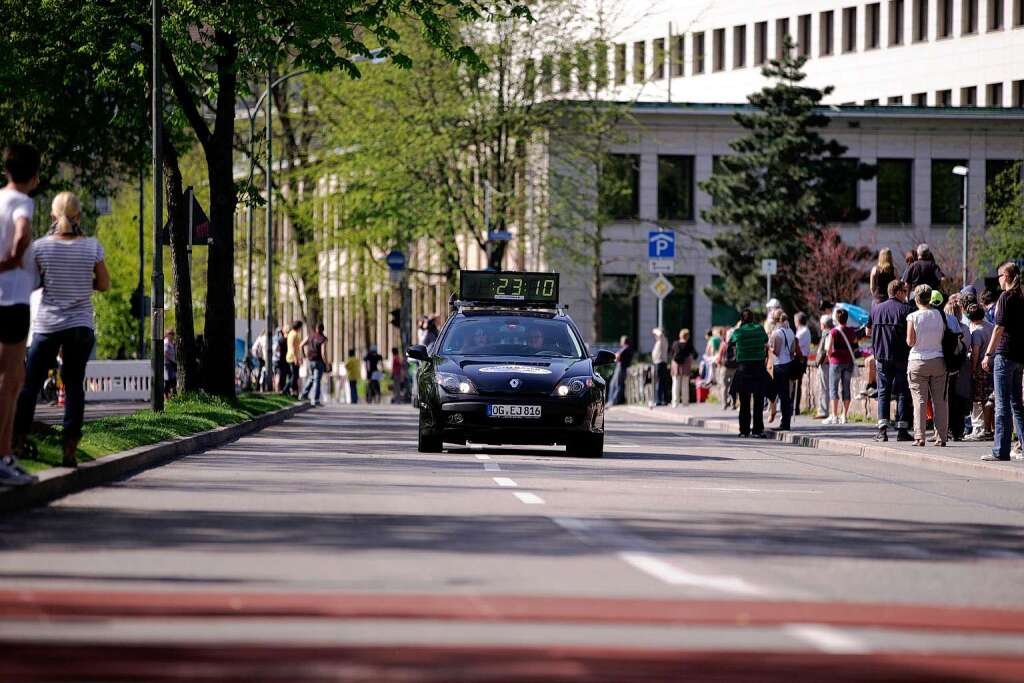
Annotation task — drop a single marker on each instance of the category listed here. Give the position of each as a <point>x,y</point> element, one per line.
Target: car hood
<point>534,375</point>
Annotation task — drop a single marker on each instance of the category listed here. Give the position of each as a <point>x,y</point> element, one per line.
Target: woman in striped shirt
<point>70,266</point>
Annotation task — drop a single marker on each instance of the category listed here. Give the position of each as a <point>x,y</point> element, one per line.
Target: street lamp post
<point>965,173</point>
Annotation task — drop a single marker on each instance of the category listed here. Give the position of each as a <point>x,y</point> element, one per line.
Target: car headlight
<point>574,386</point>
<point>455,384</point>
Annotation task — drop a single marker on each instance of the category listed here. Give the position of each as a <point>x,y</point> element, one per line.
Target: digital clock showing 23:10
<point>518,287</point>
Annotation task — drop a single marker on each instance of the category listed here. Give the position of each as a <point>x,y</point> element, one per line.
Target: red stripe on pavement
<point>501,608</point>
<point>29,663</point>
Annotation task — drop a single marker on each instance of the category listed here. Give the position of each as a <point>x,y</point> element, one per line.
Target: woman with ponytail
<point>1004,358</point>
<point>70,266</point>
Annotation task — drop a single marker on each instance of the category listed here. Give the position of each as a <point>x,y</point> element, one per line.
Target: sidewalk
<point>850,439</point>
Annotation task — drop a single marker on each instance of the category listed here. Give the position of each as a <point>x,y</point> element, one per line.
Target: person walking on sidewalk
<point>353,369</point>
<point>926,368</point>
<point>784,353</point>
<point>70,267</point>
<point>839,345</point>
<point>751,382</point>
<point>280,356</point>
<point>397,376</point>
<point>683,355</point>
<point>21,165</point>
<point>982,415</point>
<point>889,347</point>
<point>372,360</point>
<point>1005,359</point>
<point>314,347</point>
<point>293,357</point>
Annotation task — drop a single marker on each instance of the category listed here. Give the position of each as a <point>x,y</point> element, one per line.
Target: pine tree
<point>784,181</point>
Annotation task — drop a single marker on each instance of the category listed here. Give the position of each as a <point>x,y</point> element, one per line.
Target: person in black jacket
<point>923,271</point>
<point>889,347</point>
<point>682,354</point>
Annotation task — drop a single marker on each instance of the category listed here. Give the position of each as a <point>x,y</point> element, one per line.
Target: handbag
<point>954,351</point>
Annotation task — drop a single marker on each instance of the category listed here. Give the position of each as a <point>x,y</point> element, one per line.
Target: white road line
<point>492,467</point>
<point>504,481</point>
<point>481,456</point>
<point>528,498</point>
<point>826,638</point>
<point>660,569</point>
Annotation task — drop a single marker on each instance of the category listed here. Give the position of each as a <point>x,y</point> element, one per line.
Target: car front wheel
<point>427,442</point>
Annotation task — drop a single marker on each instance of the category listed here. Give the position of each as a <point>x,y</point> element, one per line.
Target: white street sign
<point>769,266</point>
<point>661,287</point>
<point>661,265</point>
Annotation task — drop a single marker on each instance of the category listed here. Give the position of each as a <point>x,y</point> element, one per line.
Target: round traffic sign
<point>395,260</point>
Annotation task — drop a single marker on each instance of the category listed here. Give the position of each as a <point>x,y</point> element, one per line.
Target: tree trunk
<point>595,291</point>
<point>184,325</point>
<point>219,361</point>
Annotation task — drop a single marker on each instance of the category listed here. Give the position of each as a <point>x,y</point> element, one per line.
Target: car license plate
<point>512,411</point>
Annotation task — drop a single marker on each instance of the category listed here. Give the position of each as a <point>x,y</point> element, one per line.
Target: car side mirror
<point>604,358</point>
<point>417,352</point>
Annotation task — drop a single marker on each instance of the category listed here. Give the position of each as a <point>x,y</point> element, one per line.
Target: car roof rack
<point>457,306</point>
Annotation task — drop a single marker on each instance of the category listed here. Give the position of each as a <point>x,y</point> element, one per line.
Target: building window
<point>659,59</point>
<point>920,21</point>
<point>944,22</point>
<point>739,47</point>
<point>872,26</point>
<point>1017,93</point>
<point>620,64</point>
<point>678,306</point>
<point>803,35</point>
<point>619,191</point>
<point>620,307</point>
<point>716,169</point>
<point>1018,13</point>
<point>850,29</point>
<point>997,194</point>
<point>943,98</point>
<point>760,43</point>
<point>698,53</point>
<point>843,207</point>
<point>895,22</point>
<point>781,33</point>
<point>870,103</point>
<point>995,15</point>
<point>678,56</point>
<point>896,99</point>
<point>919,99</point>
<point>969,97</point>
<point>994,95</point>
<point>529,79</point>
<point>601,65</point>
<point>947,191</point>
<point>718,57</point>
<point>895,198</point>
<point>639,61</point>
<point>675,188</point>
<point>547,74</point>
<point>564,72</point>
<point>826,33</point>
<point>969,17</point>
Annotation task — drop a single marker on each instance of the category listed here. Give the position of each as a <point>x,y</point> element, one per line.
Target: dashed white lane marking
<point>528,498</point>
<point>826,638</point>
<point>504,481</point>
<point>492,467</point>
<point>481,456</point>
<point>660,569</point>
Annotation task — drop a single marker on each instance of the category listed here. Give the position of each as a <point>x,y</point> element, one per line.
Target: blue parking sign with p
<point>661,244</point>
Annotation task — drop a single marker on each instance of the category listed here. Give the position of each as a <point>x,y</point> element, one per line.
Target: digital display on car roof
<point>505,287</point>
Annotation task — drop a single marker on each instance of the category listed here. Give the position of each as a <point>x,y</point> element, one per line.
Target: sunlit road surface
<point>327,548</point>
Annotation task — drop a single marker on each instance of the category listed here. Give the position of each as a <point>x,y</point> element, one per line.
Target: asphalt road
<point>327,548</point>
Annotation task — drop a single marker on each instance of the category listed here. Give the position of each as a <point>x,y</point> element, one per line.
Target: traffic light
<point>396,317</point>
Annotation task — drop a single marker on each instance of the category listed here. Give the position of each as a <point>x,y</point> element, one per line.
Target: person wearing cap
<point>923,271</point>
<point>926,368</point>
<point>889,347</point>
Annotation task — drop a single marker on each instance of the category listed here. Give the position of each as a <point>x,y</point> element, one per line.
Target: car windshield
<point>511,336</point>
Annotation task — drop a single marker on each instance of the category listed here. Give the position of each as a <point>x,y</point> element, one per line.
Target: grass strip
<point>182,416</point>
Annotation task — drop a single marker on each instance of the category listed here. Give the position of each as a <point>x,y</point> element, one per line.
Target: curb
<point>930,461</point>
<point>58,482</point>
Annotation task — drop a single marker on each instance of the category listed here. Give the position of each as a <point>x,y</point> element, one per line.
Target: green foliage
<point>784,181</point>
<point>183,415</point>
<point>1004,209</point>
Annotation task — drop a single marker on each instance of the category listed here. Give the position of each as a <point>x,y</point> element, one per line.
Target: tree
<point>832,269</point>
<point>1004,218</point>
<point>783,183</point>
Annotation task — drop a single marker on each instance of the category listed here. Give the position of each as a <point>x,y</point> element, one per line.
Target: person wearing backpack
<point>926,367</point>
<point>314,346</point>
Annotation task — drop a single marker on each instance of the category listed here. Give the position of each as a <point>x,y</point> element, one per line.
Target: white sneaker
<point>830,420</point>
<point>842,420</point>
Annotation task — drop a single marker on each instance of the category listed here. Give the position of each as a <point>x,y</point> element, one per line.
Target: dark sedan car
<point>506,376</point>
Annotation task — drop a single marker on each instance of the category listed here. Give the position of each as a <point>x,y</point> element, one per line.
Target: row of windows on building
<point>894,205</point>
<point>659,58</point>
<point>969,96</point>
